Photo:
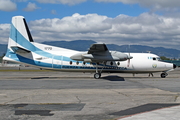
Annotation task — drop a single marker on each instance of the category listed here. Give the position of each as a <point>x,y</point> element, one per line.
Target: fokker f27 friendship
<point>98,59</point>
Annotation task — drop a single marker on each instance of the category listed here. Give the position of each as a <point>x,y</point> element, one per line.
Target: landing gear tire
<point>163,75</point>
<point>97,75</point>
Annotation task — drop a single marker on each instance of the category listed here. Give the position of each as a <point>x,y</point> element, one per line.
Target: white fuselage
<point>50,57</point>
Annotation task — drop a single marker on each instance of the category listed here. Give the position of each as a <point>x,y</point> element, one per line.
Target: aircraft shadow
<point>113,78</point>
<point>143,108</point>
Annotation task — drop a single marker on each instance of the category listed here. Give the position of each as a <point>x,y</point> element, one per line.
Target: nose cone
<point>174,66</point>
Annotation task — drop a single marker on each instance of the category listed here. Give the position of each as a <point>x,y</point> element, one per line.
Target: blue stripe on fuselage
<point>21,40</point>
<point>22,59</point>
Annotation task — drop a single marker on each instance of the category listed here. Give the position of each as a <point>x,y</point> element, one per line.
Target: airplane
<point>98,59</point>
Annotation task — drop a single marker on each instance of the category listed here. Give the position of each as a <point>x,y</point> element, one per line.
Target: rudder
<point>20,40</point>
<point>20,35</point>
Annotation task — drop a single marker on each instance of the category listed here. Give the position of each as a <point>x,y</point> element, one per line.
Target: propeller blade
<point>128,63</point>
<point>129,57</point>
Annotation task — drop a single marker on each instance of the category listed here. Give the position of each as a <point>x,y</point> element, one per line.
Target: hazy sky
<point>134,22</point>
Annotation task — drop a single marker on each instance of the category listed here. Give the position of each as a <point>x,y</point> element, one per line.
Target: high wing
<point>97,47</point>
<point>99,52</point>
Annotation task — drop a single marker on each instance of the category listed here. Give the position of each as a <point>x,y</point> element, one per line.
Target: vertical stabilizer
<point>20,35</point>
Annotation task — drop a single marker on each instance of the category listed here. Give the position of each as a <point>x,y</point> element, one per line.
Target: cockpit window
<point>158,58</point>
<point>155,58</point>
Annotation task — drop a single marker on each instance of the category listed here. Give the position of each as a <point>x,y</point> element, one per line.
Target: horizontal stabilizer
<point>17,49</point>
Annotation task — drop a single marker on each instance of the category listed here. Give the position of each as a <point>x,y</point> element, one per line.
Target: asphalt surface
<point>53,95</point>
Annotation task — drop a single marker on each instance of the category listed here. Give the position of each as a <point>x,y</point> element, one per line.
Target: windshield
<point>156,58</point>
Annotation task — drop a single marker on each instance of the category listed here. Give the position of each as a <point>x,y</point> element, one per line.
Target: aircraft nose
<point>174,66</point>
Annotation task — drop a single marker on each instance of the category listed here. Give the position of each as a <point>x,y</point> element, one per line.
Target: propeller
<point>128,61</point>
<point>129,57</point>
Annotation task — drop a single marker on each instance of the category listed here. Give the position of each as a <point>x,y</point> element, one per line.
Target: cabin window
<point>154,58</point>
<point>84,63</point>
<point>70,62</point>
<point>77,63</point>
<point>118,63</point>
<point>111,63</point>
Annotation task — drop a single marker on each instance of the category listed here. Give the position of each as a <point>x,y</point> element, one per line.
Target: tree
<point>1,57</point>
<point>164,58</point>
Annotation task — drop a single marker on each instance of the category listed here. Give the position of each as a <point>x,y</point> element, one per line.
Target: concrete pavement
<point>53,95</point>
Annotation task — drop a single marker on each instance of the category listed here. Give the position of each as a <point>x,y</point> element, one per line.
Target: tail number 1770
<point>48,48</point>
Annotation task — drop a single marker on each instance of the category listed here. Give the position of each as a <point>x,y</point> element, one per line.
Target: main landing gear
<point>97,75</point>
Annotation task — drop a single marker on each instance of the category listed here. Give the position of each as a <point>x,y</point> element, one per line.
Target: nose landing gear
<point>163,75</point>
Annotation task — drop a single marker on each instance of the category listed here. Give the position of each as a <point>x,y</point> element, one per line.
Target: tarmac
<point>33,94</point>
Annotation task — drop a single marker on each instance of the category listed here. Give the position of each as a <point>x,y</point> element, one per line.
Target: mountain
<point>83,45</point>
<point>160,51</point>
<point>80,45</point>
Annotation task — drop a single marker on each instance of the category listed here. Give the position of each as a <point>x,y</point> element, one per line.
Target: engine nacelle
<point>78,57</point>
<point>121,56</point>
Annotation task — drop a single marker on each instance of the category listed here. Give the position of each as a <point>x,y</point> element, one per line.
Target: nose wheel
<point>163,75</point>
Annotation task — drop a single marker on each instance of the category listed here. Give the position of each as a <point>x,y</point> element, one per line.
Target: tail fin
<point>20,36</point>
<point>20,39</point>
